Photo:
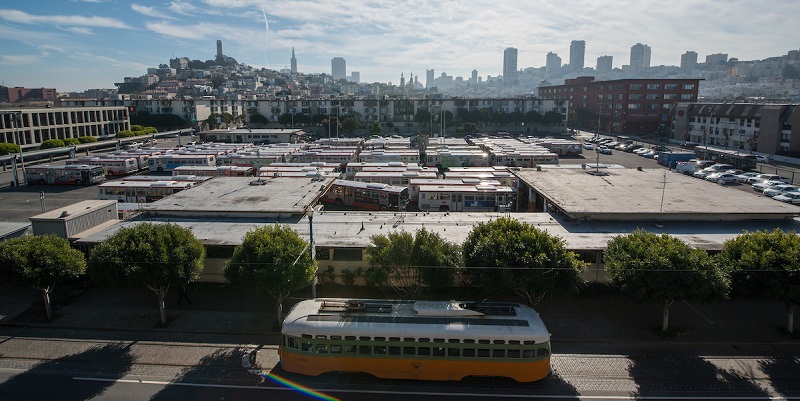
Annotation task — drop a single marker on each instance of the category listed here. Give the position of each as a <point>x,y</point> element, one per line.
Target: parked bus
<point>506,178</point>
<point>214,171</point>
<point>113,166</point>
<point>140,191</point>
<point>168,162</point>
<point>415,184</point>
<point>423,340</point>
<point>197,179</point>
<point>355,167</point>
<point>742,161</point>
<point>524,159</point>
<point>400,178</point>
<point>70,174</point>
<point>366,195</point>
<point>461,198</point>
<point>445,158</point>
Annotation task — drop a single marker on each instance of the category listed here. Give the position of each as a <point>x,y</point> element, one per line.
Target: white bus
<point>113,165</point>
<point>214,171</point>
<point>460,198</point>
<point>400,178</point>
<point>415,184</point>
<point>446,158</point>
<point>506,178</point>
<point>355,167</point>
<point>410,156</point>
<point>168,162</point>
<point>366,195</point>
<point>524,159</point>
<point>197,179</point>
<point>140,191</point>
<point>70,174</point>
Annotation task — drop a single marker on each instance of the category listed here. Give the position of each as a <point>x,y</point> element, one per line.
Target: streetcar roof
<point>465,188</point>
<point>418,319</point>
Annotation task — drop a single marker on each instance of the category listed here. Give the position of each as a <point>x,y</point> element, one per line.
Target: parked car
<point>776,190</point>
<point>641,150</point>
<point>761,186</point>
<point>743,177</point>
<point>722,178</point>
<point>604,150</point>
<point>630,148</point>
<point>703,173</point>
<point>649,154</point>
<point>767,177</point>
<point>588,146</point>
<point>734,171</point>
<point>762,159</point>
<point>789,197</point>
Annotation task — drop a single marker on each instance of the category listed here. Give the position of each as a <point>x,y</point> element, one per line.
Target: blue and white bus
<point>168,162</point>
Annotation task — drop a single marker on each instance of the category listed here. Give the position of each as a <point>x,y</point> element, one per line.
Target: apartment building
<point>29,127</point>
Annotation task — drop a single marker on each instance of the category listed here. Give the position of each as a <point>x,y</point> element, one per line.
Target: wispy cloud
<point>80,30</point>
<point>69,20</point>
<point>17,59</point>
<point>149,11</point>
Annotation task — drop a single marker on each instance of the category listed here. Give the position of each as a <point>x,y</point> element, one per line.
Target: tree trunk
<point>279,301</point>
<point>47,308</point>
<point>790,317</point>
<point>161,293</point>
<point>665,316</point>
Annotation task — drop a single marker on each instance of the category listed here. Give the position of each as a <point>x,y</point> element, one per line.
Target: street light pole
<point>16,119</point>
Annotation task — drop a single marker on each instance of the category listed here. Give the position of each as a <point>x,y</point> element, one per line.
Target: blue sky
<point>82,44</point>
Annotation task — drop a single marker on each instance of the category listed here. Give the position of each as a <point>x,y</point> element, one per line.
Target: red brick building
<point>19,94</point>
<point>626,106</point>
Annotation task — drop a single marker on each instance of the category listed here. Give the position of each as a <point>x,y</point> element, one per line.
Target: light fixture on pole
<point>312,251</point>
<point>15,118</point>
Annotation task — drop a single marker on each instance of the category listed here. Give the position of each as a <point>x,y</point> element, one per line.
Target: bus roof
<point>418,319</point>
<point>482,188</point>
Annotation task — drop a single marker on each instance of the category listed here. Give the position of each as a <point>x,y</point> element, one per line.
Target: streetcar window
<point>322,349</point>
<point>528,353</point>
<point>484,342</point>
<point>336,349</point>
<point>394,338</point>
<point>529,342</point>
<point>409,351</point>
<point>291,342</point>
<point>336,337</point>
<point>469,341</point>
<point>469,352</point>
<point>321,337</point>
<point>542,352</point>
<point>438,340</point>
<point>364,338</point>
<point>394,350</point>
<point>513,353</point>
<point>498,353</point>
<point>349,349</point>
<point>305,346</point>
<point>306,335</point>
<point>498,342</point>
<point>453,352</point>
<point>380,350</point>
<point>364,349</point>
<point>454,340</point>
<point>424,340</point>
<point>438,351</point>
<point>409,339</point>
<point>380,338</point>
<point>349,337</point>
<point>516,342</point>
<point>423,351</point>
<point>483,353</point>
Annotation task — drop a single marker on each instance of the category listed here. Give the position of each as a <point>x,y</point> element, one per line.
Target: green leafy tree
<point>533,117</point>
<point>52,143</point>
<point>7,148</point>
<point>259,119</point>
<point>407,262</point>
<point>41,262</point>
<point>157,256</point>
<point>285,119</point>
<point>87,139</point>
<point>225,119</point>
<point>509,255</point>
<point>661,268</point>
<point>552,117</point>
<point>423,116</point>
<point>125,134</point>
<point>71,141</point>
<point>273,259</point>
<point>350,124</point>
<point>469,128</point>
<point>765,265</point>
<point>137,127</point>
<point>375,129</point>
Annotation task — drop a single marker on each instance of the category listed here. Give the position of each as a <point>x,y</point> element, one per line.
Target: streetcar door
<point>457,203</point>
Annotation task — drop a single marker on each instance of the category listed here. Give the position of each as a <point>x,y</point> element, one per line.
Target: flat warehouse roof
<point>649,194</point>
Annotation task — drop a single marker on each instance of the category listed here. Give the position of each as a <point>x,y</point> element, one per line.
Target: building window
<point>618,106</point>
<point>617,96</point>
<point>634,96</point>
<point>347,254</point>
<point>651,106</point>
<point>653,86</point>
<point>619,87</point>
<point>687,96</point>
<point>670,96</point>
<point>670,86</point>
<point>688,86</point>
<point>652,96</point>
<point>635,87</point>
<point>634,106</point>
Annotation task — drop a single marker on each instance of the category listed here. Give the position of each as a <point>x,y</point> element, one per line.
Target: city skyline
<point>82,44</point>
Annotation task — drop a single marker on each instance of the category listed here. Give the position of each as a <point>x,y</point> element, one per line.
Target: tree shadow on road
<point>55,379</point>
<point>197,382</point>
<point>783,373</point>
<point>690,376</point>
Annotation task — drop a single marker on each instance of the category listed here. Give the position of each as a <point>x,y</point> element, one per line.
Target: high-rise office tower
<point>553,64</point>
<point>219,49</point>
<point>717,58</point>
<point>640,56</point>
<point>605,64</point>
<point>689,59</point>
<point>577,50</point>
<point>429,78</point>
<point>355,76</point>
<point>510,64</point>
<point>474,79</point>
<point>294,62</point>
<point>338,68</point>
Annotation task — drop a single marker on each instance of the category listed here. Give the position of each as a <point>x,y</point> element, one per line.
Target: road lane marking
<point>451,394</point>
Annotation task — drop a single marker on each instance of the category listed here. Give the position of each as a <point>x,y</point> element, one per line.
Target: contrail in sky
<point>266,39</point>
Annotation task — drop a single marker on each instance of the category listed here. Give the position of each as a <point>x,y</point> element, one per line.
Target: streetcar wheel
<point>444,208</point>
<point>384,208</point>
<point>338,202</point>
<point>160,169</point>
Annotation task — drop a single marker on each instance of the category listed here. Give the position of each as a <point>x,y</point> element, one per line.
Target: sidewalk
<point>608,318</point>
